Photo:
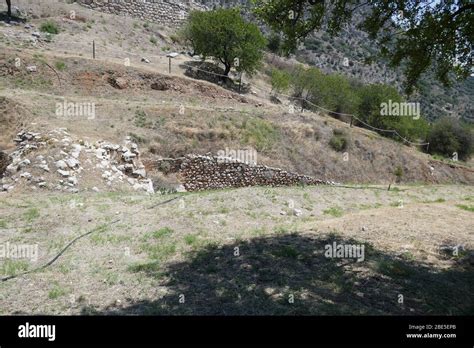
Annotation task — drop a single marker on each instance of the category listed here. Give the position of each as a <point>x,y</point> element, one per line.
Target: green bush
<point>280,80</point>
<point>339,141</point>
<point>448,136</point>
<point>49,27</point>
<point>274,43</point>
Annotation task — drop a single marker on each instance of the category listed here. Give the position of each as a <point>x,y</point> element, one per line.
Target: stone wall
<point>211,172</point>
<point>166,12</point>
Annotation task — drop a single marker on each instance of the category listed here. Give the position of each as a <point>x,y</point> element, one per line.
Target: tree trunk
<point>225,78</point>
<point>227,70</point>
<point>9,4</point>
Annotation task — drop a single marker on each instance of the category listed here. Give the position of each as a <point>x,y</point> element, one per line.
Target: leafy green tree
<point>369,109</point>
<point>224,35</point>
<point>332,92</point>
<point>418,35</point>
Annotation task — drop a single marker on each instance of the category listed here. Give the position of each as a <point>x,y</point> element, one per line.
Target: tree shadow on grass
<point>212,73</point>
<point>4,18</point>
<point>272,271</point>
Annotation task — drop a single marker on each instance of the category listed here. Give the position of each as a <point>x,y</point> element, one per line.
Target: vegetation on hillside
<point>225,36</point>
<point>429,35</point>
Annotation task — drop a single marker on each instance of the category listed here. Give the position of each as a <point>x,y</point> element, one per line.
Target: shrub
<point>398,173</point>
<point>338,141</point>
<point>60,65</point>
<point>49,27</point>
<point>449,136</point>
<point>280,80</point>
<point>274,43</point>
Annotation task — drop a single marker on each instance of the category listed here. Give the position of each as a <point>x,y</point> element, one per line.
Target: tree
<point>9,5</point>
<point>224,35</point>
<point>417,35</point>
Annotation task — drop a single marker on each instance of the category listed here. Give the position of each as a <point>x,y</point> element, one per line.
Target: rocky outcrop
<point>212,172</point>
<point>55,160</point>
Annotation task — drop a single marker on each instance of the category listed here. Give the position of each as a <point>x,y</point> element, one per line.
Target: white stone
<point>64,173</point>
<point>72,180</point>
<point>61,165</point>
<point>72,163</point>
<point>297,212</point>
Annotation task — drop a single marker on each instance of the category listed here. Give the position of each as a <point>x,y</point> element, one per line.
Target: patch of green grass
<point>3,223</point>
<point>31,214</point>
<point>11,267</point>
<point>439,200</point>
<point>393,268</point>
<point>49,27</point>
<point>259,133</point>
<point>162,232</point>
<point>190,239</point>
<point>60,65</point>
<point>286,251</point>
<point>333,211</point>
<point>147,267</point>
<point>153,40</point>
<point>223,210</point>
<point>466,207</point>
<point>141,119</point>
<point>281,229</point>
<point>56,292</point>
<point>160,251</point>
<point>111,278</point>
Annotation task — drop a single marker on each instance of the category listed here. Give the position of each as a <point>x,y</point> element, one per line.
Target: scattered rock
<point>119,82</point>
<point>61,165</point>
<point>72,180</point>
<point>44,167</point>
<point>63,173</point>
<point>24,163</point>
<point>72,163</point>
<point>145,60</point>
<point>31,68</point>
<point>160,85</point>
<point>297,212</point>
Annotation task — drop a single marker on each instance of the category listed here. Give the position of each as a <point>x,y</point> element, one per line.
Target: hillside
<point>112,178</point>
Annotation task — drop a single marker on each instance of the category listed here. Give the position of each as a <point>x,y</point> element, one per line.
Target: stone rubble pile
<point>55,161</point>
<point>212,172</point>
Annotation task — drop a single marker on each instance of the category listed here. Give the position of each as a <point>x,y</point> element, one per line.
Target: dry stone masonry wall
<point>165,12</point>
<point>211,172</point>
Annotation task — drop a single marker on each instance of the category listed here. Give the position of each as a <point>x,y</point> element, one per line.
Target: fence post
<point>93,49</point>
<point>352,118</point>
<point>240,83</point>
<point>169,68</point>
